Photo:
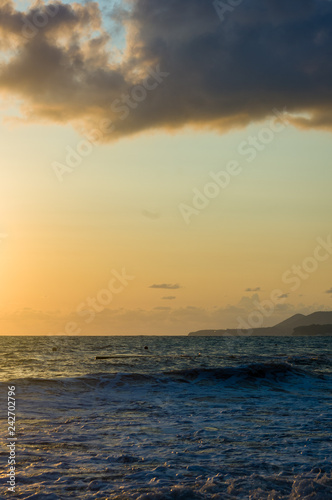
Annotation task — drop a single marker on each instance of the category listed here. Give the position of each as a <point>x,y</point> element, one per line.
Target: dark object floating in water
<point>146,347</point>
<point>54,349</point>
<point>120,356</point>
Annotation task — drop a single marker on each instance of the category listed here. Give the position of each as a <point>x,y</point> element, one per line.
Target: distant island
<point>315,324</point>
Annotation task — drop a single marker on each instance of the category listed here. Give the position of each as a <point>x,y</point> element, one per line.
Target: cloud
<point>158,321</point>
<point>329,291</point>
<point>151,215</point>
<point>170,297</point>
<point>166,286</point>
<point>257,289</point>
<point>264,55</point>
<point>284,296</point>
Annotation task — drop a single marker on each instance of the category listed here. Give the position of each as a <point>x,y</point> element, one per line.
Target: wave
<point>251,374</point>
<point>313,486</point>
<point>159,484</point>
<point>255,373</point>
<point>310,359</point>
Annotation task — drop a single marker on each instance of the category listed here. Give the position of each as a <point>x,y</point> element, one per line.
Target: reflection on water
<point>170,423</point>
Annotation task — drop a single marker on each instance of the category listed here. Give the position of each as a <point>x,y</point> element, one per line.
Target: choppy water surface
<point>189,418</point>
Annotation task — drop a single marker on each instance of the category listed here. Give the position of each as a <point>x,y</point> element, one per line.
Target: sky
<point>165,166</point>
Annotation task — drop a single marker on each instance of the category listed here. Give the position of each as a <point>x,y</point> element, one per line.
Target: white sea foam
<point>225,425</point>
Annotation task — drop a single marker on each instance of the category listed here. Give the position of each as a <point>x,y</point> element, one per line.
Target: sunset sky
<point>118,119</point>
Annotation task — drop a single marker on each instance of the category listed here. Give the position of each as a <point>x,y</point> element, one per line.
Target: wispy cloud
<point>151,214</point>
<point>170,297</point>
<point>166,286</point>
<point>257,289</point>
<point>329,291</point>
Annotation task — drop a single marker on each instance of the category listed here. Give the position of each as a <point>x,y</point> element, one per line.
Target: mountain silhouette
<point>291,326</point>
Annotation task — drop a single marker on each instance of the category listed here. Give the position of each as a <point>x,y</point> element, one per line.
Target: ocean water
<point>188,419</point>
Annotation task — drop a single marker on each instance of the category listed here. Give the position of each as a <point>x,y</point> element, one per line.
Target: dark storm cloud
<point>264,55</point>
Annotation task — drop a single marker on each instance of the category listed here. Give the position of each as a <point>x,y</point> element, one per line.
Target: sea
<point>168,418</point>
